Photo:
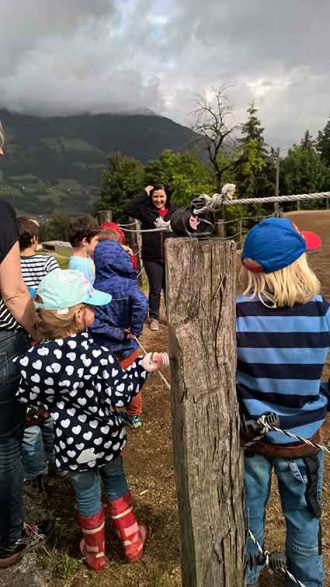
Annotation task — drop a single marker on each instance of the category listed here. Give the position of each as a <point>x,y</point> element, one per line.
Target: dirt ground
<point>150,473</point>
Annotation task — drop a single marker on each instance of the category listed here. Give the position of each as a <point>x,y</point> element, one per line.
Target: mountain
<point>57,162</point>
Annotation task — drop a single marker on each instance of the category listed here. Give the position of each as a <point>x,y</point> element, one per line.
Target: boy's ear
<point>84,242</point>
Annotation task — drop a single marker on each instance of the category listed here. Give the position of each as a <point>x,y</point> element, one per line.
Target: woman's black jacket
<point>143,209</point>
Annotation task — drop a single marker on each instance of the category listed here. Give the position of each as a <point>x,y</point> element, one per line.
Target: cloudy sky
<point>71,56</point>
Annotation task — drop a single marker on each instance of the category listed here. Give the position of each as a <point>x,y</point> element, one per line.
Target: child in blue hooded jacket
<point>116,323</point>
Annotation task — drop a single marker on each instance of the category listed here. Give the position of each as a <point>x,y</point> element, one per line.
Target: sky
<point>74,56</point>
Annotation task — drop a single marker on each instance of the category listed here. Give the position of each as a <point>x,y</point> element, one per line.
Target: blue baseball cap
<point>275,243</point>
<point>63,288</point>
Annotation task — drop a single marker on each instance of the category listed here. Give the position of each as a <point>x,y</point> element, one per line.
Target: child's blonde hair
<point>294,284</point>
<point>51,324</point>
<point>110,234</point>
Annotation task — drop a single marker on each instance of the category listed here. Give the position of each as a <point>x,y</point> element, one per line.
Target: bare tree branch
<point>212,123</point>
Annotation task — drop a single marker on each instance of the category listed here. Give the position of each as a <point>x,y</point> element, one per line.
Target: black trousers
<point>155,271</point>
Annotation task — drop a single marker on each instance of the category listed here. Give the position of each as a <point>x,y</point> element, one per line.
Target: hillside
<point>57,162</point>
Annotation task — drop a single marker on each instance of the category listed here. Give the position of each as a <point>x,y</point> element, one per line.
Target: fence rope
<point>161,229</point>
<point>215,203</point>
<point>204,203</point>
<point>271,428</point>
<point>285,198</point>
<point>267,556</point>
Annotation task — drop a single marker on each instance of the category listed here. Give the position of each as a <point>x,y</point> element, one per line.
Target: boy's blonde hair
<point>294,284</point>
<point>110,234</point>
<point>51,324</point>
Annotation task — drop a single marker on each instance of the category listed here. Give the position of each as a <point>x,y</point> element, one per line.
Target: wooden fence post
<point>103,216</point>
<point>135,241</point>
<point>207,456</point>
<point>220,228</point>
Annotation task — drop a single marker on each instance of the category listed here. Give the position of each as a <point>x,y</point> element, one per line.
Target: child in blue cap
<point>81,385</point>
<point>283,339</point>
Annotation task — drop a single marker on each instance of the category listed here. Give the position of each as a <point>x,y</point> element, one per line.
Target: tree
<point>56,227</point>
<point>254,168</point>
<point>123,179</point>
<point>216,132</point>
<point>303,171</point>
<point>184,174</point>
<point>323,144</point>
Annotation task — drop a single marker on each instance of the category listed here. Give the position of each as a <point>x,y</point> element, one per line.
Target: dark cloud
<point>123,55</point>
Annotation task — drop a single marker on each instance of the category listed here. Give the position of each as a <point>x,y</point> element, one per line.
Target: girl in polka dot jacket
<point>81,385</point>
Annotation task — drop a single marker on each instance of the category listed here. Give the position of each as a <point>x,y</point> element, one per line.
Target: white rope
<point>286,198</point>
<point>270,428</point>
<point>266,555</point>
<point>162,229</point>
<point>205,203</point>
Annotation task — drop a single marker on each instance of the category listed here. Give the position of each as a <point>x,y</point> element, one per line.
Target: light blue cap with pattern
<point>63,288</point>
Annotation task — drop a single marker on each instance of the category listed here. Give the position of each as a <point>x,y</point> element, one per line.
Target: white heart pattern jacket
<point>80,384</point>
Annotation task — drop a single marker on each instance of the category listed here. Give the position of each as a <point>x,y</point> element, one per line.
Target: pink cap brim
<point>312,239</point>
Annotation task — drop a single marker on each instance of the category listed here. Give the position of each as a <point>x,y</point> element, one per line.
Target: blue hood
<point>128,307</point>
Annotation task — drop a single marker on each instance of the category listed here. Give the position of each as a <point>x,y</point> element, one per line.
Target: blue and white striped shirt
<point>280,357</point>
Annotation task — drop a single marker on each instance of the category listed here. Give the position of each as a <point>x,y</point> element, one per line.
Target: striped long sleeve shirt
<point>281,353</point>
<point>35,267</point>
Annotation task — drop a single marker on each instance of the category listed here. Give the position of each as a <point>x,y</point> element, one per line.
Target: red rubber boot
<point>132,535</point>
<point>92,545</point>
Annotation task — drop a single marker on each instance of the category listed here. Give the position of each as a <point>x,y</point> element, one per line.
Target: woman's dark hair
<point>27,230</point>
<point>80,228</point>
<point>158,186</point>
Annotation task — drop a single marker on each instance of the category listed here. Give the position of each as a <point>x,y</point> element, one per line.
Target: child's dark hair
<point>27,230</point>
<point>80,228</point>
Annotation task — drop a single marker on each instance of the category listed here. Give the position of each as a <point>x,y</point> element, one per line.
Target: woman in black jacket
<point>152,206</point>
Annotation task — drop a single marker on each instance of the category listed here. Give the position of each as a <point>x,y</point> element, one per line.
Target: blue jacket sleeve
<point>102,327</point>
<point>139,306</point>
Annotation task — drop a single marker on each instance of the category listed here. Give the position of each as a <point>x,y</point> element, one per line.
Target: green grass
<point>62,257</point>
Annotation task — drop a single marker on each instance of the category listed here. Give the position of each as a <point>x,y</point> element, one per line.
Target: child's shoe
<point>131,534</point>
<point>32,537</point>
<point>154,324</point>
<point>34,487</point>
<point>92,546</point>
<point>132,421</point>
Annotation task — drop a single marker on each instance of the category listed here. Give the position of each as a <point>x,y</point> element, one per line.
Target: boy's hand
<point>128,334</point>
<point>153,361</point>
<point>127,249</point>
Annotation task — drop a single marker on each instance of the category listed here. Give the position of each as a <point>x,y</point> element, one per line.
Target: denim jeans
<point>300,487</point>
<point>38,449</point>
<point>87,486</point>
<point>155,271</point>
<point>12,416</point>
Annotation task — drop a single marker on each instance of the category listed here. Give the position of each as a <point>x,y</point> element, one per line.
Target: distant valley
<point>56,163</point>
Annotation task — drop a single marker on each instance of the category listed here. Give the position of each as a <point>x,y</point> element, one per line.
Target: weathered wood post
<point>207,457</point>
<point>104,216</point>
<point>135,242</point>
<point>220,228</point>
